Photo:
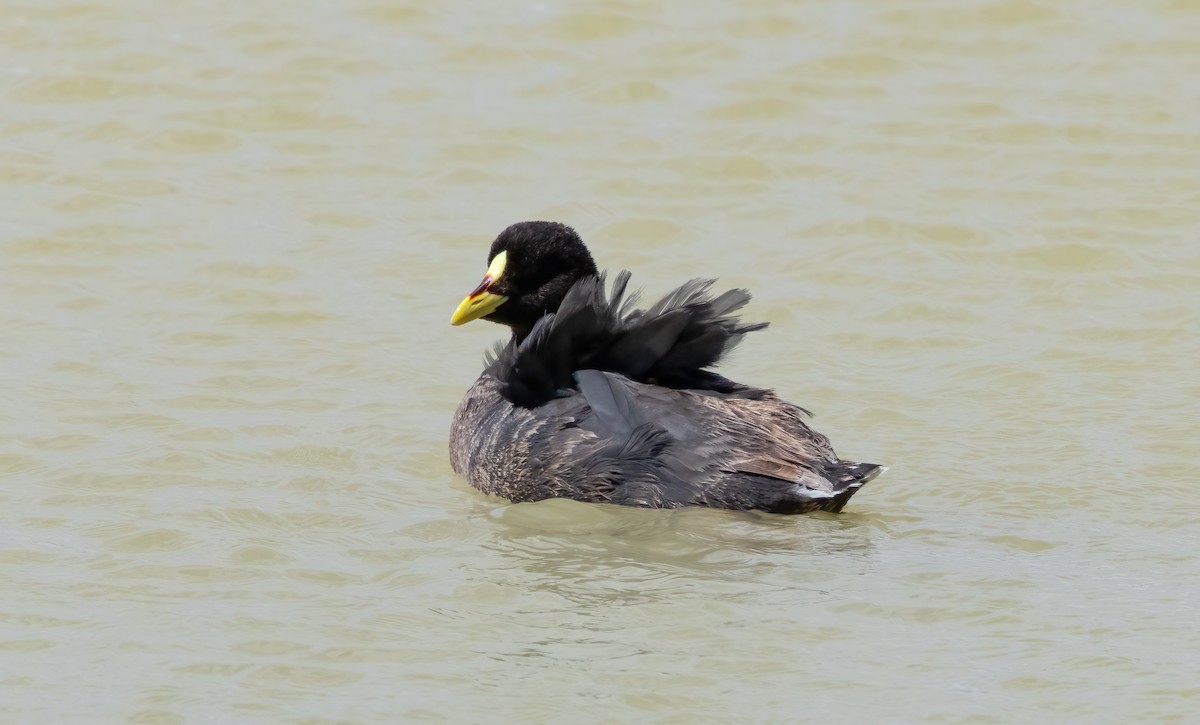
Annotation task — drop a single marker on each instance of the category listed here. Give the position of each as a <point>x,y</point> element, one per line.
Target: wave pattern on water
<point>233,237</point>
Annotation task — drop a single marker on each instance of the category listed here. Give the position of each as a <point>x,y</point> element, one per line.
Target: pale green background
<point>232,234</point>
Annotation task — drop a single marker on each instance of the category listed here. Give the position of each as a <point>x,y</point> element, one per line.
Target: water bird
<point>595,399</point>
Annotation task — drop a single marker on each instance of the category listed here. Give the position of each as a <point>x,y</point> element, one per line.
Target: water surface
<point>232,238</point>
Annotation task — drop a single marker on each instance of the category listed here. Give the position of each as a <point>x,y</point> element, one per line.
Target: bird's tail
<point>848,477</point>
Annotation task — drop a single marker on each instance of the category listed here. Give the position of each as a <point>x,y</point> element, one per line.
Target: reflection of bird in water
<point>608,555</point>
<point>596,401</point>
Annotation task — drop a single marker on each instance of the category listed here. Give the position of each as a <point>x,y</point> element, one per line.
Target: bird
<point>595,399</point>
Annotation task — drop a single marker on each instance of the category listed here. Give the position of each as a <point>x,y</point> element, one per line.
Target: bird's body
<point>596,400</point>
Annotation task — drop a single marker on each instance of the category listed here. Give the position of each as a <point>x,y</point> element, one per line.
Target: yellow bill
<point>482,302</point>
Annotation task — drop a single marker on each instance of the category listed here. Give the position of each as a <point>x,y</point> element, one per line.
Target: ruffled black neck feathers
<point>670,344</point>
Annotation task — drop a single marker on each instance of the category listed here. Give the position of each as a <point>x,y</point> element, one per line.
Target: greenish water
<point>232,237</point>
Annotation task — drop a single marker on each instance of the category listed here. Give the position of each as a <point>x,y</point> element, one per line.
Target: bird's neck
<point>519,333</point>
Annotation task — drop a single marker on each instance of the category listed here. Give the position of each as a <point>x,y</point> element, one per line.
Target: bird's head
<point>531,265</point>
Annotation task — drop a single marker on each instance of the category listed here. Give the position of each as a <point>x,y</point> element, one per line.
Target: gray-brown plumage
<point>596,400</point>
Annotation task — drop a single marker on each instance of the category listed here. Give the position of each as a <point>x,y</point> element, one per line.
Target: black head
<point>531,267</point>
